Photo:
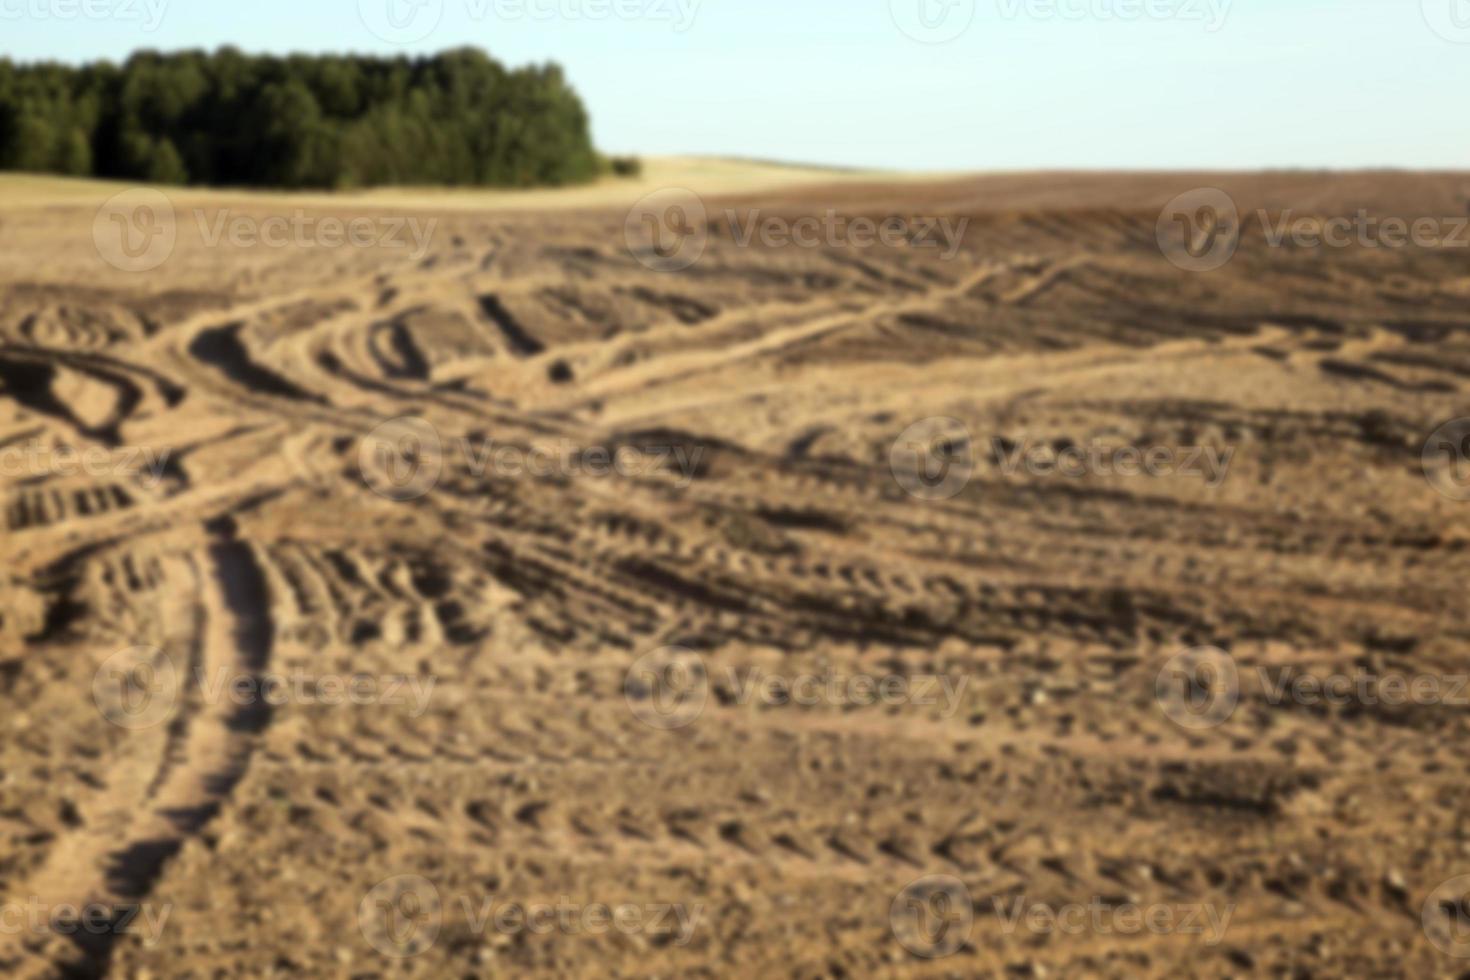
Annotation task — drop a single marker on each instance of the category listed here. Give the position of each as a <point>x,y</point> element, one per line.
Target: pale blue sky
<point>1029,83</point>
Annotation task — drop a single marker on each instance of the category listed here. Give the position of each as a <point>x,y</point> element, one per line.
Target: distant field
<point>704,175</point>
<point>773,185</point>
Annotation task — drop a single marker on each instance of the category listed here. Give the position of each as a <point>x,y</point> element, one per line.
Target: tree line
<point>232,119</point>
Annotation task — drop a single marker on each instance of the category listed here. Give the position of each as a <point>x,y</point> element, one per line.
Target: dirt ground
<point>491,598</point>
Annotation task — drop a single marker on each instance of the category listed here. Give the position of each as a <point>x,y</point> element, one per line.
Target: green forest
<point>233,119</point>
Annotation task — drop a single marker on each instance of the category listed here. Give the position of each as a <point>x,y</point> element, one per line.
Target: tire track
<point>206,753</point>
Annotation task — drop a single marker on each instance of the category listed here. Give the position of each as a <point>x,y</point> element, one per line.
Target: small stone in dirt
<point>1241,959</point>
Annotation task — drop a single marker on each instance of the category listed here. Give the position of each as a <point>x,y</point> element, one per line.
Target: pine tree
<point>335,121</point>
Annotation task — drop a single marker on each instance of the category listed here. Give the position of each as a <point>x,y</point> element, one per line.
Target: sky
<point>930,85</point>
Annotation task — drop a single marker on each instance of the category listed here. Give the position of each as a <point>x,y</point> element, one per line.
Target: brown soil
<point>791,547</point>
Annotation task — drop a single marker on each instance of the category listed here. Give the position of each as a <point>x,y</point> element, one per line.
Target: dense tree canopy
<point>302,121</point>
